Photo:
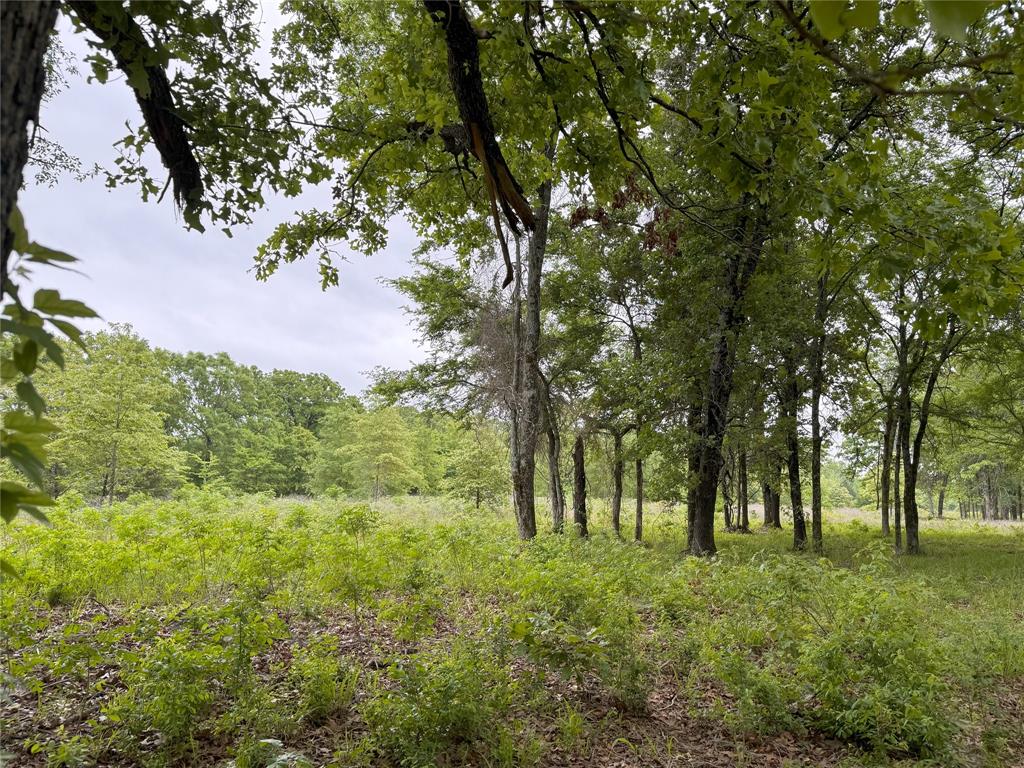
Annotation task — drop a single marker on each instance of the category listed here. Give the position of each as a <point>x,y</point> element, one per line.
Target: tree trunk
<point>638,526</point>
<point>727,494</point>
<point>579,487</point>
<point>944,480</point>
<point>792,407</point>
<point>25,30</point>
<point>744,495</point>
<point>887,441</point>
<point>555,480</point>
<point>897,521</point>
<point>912,453</point>
<point>526,378</point>
<point>692,466</point>
<point>731,319</point>
<point>617,483</point>
<point>817,378</point>
<point>766,504</point>
<point>777,506</point>
<point>113,475</point>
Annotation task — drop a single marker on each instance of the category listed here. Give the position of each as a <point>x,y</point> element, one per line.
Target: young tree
<point>112,440</point>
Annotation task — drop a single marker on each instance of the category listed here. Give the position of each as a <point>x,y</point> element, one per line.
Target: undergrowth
<point>205,629</point>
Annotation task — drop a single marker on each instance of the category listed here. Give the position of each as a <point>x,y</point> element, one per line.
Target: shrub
<point>326,685</point>
<point>437,702</point>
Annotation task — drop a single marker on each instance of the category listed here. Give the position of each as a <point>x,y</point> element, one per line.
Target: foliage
<point>431,636</point>
<point>25,432</point>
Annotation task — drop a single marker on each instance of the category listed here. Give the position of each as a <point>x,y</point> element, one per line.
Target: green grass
<point>290,632</point>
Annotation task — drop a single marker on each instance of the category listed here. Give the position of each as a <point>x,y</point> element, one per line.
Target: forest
<point>714,454</point>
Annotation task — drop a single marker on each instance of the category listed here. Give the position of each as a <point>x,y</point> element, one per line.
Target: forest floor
<point>251,632</point>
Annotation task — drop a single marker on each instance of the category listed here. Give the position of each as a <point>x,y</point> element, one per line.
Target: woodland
<point>716,453</point>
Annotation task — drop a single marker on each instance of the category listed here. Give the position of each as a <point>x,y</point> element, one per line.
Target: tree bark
<point>744,495</point>
<point>617,483</point>
<point>557,494</point>
<point>25,29</point>
<point>638,524</point>
<point>817,378</point>
<point>554,446</point>
<point>526,381</point>
<point>897,521</point>
<point>912,452</point>
<point>126,41</point>
<point>731,320</point>
<point>727,494</point>
<point>887,448</point>
<point>792,408</point>
<point>944,479</point>
<point>579,487</point>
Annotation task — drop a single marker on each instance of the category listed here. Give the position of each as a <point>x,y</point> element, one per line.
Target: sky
<point>187,291</point>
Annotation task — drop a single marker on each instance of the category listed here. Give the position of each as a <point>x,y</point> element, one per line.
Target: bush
<point>326,685</point>
<point>802,643</point>
<point>437,702</point>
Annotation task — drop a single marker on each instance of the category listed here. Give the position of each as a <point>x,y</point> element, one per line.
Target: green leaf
<point>16,223</point>
<point>50,302</point>
<point>952,17</point>
<point>70,330</point>
<point>8,570</point>
<point>43,255</point>
<point>906,14</point>
<point>25,356</point>
<point>15,497</point>
<point>864,14</point>
<point>28,395</point>
<point>25,461</point>
<point>827,17</point>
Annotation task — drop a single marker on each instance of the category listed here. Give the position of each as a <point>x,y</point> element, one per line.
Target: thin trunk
<point>744,496</point>
<point>793,457</point>
<point>617,483</point>
<point>557,494</point>
<point>579,487</point>
<point>638,527</point>
<point>727,494</point>
<point>897,521</point>
<point>912,453</point>
<point>887,448</point>
<point>944,480</point>
<point>817,380</point>
<point>113,474</point>
<point>554,445</point>
<point>777,504</point>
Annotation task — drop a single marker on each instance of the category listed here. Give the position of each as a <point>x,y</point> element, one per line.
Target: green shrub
<point>170,688</point>
<point>326,684</point>
<point>437,702</point>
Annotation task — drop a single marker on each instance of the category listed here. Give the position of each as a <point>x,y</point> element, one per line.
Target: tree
<point>478,469</point>
<point>111,440</point>
<point>380,456</point>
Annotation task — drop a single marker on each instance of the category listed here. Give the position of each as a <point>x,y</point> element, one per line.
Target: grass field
<point>208,630</point>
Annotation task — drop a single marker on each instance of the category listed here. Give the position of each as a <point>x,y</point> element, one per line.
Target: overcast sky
<point>188,291</point>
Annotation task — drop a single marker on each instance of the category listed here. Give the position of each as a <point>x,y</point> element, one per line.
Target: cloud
<point>188,291</point>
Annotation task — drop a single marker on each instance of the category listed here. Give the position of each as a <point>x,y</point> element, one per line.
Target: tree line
<point>132,418</point>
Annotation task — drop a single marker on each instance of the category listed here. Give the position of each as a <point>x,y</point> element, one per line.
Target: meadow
<point>215,629</point>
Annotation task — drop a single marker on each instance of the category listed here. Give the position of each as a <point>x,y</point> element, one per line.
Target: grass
<point>207,629</point>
